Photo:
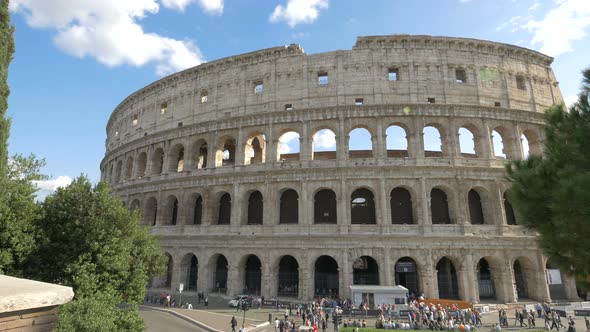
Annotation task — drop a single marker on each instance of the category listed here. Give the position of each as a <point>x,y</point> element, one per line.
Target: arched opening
<point>500,143</point>
<point>433,144</point>
<point>200,151</point>
<point>289,207</point>
<point>520,280</point>
<point>158,161</point>
<point>176,161</point>
<point>255,150</point>
<point>198,211</point>
<point>253,275</point>
<point>485,280</point>
<point>128,168</point>
<point>141,165</point>
<point>365,271</point>
<point>467,143</point>
<point>150,213</point>
<point>325,207</point>
<point>255,208</point>
<point>226,152</point>
<point>406,274</point>
<point>531,144</point>
<point>190,268</point>
<point>119,171</point>
<point>400,201</point>
<point>224,209</point>
<point>555,281</point>
<point>173,213</point>
<point>134,206</point>
<point>448,288</point>
<point>169,269</point>
<point>525,146</point>
<point>220,274</point>
<point>362,207</point>
<point>508,211</point>
<point>324,145</point>
<point>475,208</point>
<point>396,142</point>
<point>289,147</point>
<point>439,207</point>
<point>360,144</point>
<point>326,277</point>
<point>288,277</point>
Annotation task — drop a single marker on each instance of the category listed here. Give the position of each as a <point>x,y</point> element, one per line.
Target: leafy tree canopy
<point>551,193</point>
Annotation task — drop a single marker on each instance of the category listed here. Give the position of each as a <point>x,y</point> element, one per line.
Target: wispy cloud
<point>213,7</point>
<point>47,187</point>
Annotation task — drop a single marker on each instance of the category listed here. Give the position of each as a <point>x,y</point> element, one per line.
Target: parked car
<point>236,300</point>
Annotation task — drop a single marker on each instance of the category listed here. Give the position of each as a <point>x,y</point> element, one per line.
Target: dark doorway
<point>520,281</point>
<point>448,287</point>
<point>325,207</point>
<point>193,273</point>
<point>289,209</point>
<point>255,208</point>
<point>439,207</point>
<point>485,280</point>
<point>224,210</point>
<point>365,271</point>
<point>288,277</point>
<point>362,207</point>
<point>253,275</point>
<point>475,209</point>
<point>401,206</point>
<point>220,279</point>
<point>510,217</point>
<point>198,211</point>
<point>326,277</point>
<point>406,274</point>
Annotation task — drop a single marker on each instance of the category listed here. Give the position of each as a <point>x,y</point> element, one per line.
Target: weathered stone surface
<point>21,294</point>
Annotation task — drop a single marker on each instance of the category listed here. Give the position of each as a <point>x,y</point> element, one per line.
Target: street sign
<point>180,287</point>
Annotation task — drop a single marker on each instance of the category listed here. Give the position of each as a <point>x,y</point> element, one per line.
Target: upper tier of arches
<point>388,70</point>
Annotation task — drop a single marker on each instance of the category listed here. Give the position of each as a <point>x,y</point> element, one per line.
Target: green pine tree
<point>6,52</point>
<point>551,193</point>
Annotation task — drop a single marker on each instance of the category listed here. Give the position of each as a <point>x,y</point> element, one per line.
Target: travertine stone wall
<point>505,88</point>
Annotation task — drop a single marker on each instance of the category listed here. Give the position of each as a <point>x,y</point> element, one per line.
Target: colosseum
<point>296,175</point>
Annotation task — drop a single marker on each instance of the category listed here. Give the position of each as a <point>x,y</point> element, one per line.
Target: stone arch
<point>166,280</point>
<point>219,266</point>
<point>141,165</point>
<point>360,143</point>
<point>157,161</point>
<point>485,280</point>
<point>433,138</point>
<point>255,208</point>
<point>289,146</point>
<point>119,171</point>
<point>288,277</point>
<point>326,279</point>
<point>200,152</point>
<point>172,208</point>
<point>476,215</point>
<point>365,271</point>
<point>325,207</point>
<point>289,207</point>
<point>324,144</point>
<point>555,280</point>
<point>509,211</point>
<point>396,141</point>
<point>176,158</point>
<point>128,168</point>
<point>400,202</point>
<point>531,143</point>
<point>448,287</point>
<point>255,149</point>
<point>150,211</point>
<point>439,206</point>
<point>252,274</point>
<point>134,206</point>
<point>226,152</point>
<point>523,271</point>
<point>224,215</point>
<point>502,143</point>
<point>362,207</point>
<point>406,274</point>
<point>189,267</point>
<point>196,209</point>
<point>469,145</point>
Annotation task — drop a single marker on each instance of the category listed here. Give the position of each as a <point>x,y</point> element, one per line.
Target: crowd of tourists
<point>551,319</point>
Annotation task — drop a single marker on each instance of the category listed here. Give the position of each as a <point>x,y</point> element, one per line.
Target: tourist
<point>571,325</point>
<point>233,323</point>
<point>539,309</point>
<point>276,324</point>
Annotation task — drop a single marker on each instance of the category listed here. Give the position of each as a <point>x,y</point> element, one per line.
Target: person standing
<point>233,323</point>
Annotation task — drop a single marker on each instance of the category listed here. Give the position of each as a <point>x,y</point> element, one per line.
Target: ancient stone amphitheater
<point>247,170</point>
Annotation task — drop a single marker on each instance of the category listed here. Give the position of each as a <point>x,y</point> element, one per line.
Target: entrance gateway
<point>372,294</point>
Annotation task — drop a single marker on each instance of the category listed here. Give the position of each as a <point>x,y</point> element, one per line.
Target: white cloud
<point>534,6</point>
<point>560,27</point>
<point>109,31</point>
<point>212,7</point>
<point>570,100</point>
<point>298,11</point>
<point>325,139</point>
<point>47,187</point>
<point>287,140</point>
<point>512,22</point>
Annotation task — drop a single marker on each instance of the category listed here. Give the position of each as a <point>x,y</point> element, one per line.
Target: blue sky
<point>77,59</point>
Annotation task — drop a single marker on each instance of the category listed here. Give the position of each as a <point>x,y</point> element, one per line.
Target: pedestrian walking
<point>233,323</point>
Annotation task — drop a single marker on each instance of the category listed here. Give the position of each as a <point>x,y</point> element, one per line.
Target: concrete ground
<point>156,321</point>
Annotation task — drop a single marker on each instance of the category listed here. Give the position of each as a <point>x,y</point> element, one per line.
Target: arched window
<point>324,145</point>
<point>433,144</point>
<point>253,275</point>
<point>288,147</point>
<point>176,159</point>
<point>510,217</point>
<point>119,171</point>
<point>224,210</point>
<point>485,280</point>
<point>401,207</point>
<point>531,144</point>
<point>173,205</point>
<point>475,208</point>
<point>226,152</point>
<point>128,168</point>
<point>325,207</point>
<point>362,207</point>
<point>360,144</point>
<point>439,207</point>
<point>220,273</point>
<point>448,288</point>
<point>199,152</point>
<point>397,142</point>
<point>288,276</point>
<point>198,211</point>
<point>326,277</point>
<point>365,271</point>
<point>141,165</point>
<point>255,149</point>
<point>255,208</point>
<point>169,269</point>
<point>158,161</point>
<point>406,274</point>
<point>467,143</point>
<point>498,145</point>
<point>289,209</point>
<point>190,269</point>
<point>151,211</point>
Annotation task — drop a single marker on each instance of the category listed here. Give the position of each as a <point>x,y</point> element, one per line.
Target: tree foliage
<point>6,52</point>
<point>551,193</point>
<point>88,240</point>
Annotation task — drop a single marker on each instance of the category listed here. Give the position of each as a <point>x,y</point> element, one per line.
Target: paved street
<point>156,321</point>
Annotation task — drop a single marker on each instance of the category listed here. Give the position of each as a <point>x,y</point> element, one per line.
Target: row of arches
<point>361,144</point>
<point>362,208</point>
<point>364,270</point>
